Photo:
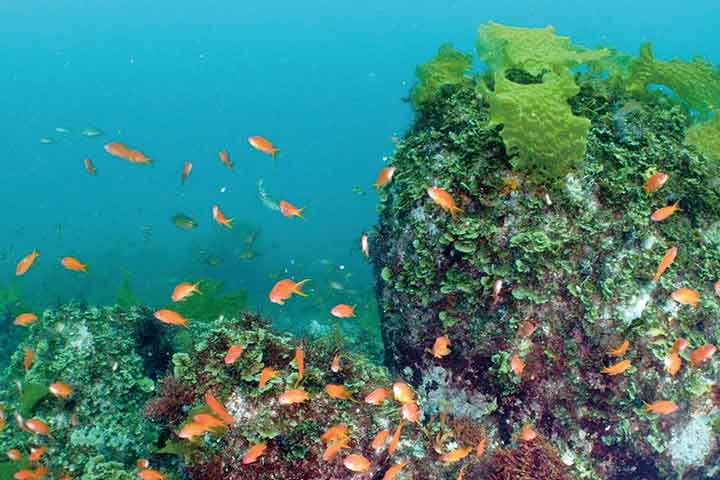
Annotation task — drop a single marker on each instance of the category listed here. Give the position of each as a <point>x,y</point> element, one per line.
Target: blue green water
<point>324,80</point>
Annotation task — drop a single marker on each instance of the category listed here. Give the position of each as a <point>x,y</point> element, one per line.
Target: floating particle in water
<point>62,130</point>
<point>91,132</point>
<point>47,141</point>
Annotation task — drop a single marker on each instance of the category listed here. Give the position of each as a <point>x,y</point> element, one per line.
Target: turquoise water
<point>180,81</point>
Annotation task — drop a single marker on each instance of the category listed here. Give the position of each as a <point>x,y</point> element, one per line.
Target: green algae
<point>706,138</point>
<point>448,67</point>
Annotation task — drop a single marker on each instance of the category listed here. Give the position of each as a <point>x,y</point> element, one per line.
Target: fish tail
<point>274,153</point>
<point>297,290</point>
<point>228,223</point>
<point>300,214</point>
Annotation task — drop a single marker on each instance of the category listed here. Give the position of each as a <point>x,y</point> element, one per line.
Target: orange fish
<point>233,353</point>
<point>667,260</point>
<point>673,362</point>
<point>209,422</point>
<point>171,317</point>
<point>72,263</point>
<point>150,474</point>
<point>334,448</point>
<point>292,396</point>
<point>620,350</point>
<point>717,288</point>
<point>225,158</point>
<point>339,392</point>
<point>336,432</point>
<point>300,363</point>
<point>335,365</point>
<point>679,345</point>
<point>61,390</point>
<point>184,290</point>
<point>411,412</point>
<point>656,181</point>
<point>284,289</point>
<point>380,440</point>
<point>29,357</point>
<point>90,167</point>
<point>403,393</point>
<point>527,433</point>
<point>254,453</point>
<point>38,426</point>
<point>497,288</point>
<point>136,156</point>
<point>516,364</point>
<point>36,453</point>
<point>343,311</point>
<point>218,408</point>
<point>14,454</point>
<point>24,265</point>
<point>480,449</point>
<point>686,296</point>
<point>267,374</point>
<point>220,217</point>
<point>290,210</point>
<point>376,397</point>
<point>356,463</point>
<point>395,439</point>
<point>384,177</point>
<point>191,430</point>
<point>187,168</point>
<point>702,354</point>
<point>662,213</point>
<point>264,145</point>
<point>617,368</point>
<point>143,463</point>
<point>365,247</point>
<point>456,455</point>
<point>440,347</point>
<point>117,149</point>
<point>661,407</point>
<point>28,474</point>
<point>461,473</point>
<point>25,319</point>
<point>392,472</point>
<point>444,200</point>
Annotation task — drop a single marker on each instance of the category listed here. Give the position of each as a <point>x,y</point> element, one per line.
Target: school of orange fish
<point>336,438</point>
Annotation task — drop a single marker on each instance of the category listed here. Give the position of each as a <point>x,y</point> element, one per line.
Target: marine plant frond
<point>448,67</point>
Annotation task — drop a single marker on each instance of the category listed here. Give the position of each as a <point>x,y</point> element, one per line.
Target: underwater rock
<point>574,256</point>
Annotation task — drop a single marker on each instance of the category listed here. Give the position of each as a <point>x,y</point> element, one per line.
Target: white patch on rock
<point>691,443</point>
<point>636,305</point>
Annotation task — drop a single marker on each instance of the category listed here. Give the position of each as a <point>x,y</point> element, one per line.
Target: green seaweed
<point>447,68</point>
<point>705,137</point>
<point>32,394</point>
<point>212,302</point>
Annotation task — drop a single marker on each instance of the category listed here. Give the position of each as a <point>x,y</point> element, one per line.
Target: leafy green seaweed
<point>447,68</point>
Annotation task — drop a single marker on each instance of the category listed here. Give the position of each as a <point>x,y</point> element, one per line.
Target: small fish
<point>525,329</point>
<point>403,393</point>
<point>440,347</point>
<point>620,350</point>
<point>61,390</point>
<point>184,222</point>
<point>365,246</point>
<point>300,363</point>
<point>184,290</point>
<point>72,263</point>
<point>91,132</point>
<point>136,156</point>
<point>25,319</point>
<point>384,177</point>
<point>343,310</point>
<point>497,288</point>
<point>410,412</point>
<point>289,210</point>
<point>661,407</point>
<point>47,141</point>
<point>62,130</point>
<point>264,145</point>
<point>266,375</point>
<point>218,408</point>
<point>662,213</point>
<point>225,159</point>
<point>117,149</point>
<point>442,198</point>
<point>377,396</point>
<point>28,474</point>
<point>392,472</point>
<point>517,365</point>
<point>527,433</point>
<point>171,317</point>
<point>617,368</point>
<point>38,426</point>
<point>339,392</point>
<point>208,421</point>
<point>90,167</point>
<point>395,439</point>
<point>334,448</point>
<point>335,365</point>
<point>461,473</point>
<point>702,354</point>
<point>356,463</point>
<point>656,181</point>
<point>36,453</point>
<point>336,432</point>
<point>380,440</point>
<point>14,454</point>
<point>717,288</point>
<point>191,430</point>
<point>220,217</point>
<point>24,265</point>
<point>480,449</point>
<point>254,453</point>
<point>292,396</point>
<point>667,260</point>
<point>142,463</point>
<point>187,168</point>
<point>686,296</point>
<point>151,474</point>
<point>679,345</point>
<point>233,354</point>
<point>336,286</point>
<point>284,289</point>
<point>29,358</point>
<point>456,455</point>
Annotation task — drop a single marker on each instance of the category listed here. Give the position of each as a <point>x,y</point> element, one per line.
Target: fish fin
<point>229,223</point>
<point>298,285</point>
<point>274,154</point>
<point>300,214</point>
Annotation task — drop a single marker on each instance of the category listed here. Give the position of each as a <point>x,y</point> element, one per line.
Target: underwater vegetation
<point>548,280</point>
